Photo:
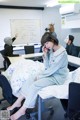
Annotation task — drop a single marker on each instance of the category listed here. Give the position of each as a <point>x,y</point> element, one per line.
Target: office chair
<point>73,101</point>
<point>6,90</point>
<point>29,49</point>
<point>7,62</point>
<point>76,49</point>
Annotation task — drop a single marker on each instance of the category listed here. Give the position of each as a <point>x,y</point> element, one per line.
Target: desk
<point>33,55</point>
<point>14,59</point>
<point>74,61</point>
<point>26,56</point>
<point>18,50</point>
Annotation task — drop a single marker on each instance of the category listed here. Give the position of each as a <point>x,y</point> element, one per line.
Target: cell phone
<point>48,49</point>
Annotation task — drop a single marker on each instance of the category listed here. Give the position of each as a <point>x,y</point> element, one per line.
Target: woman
<point>55,60</point>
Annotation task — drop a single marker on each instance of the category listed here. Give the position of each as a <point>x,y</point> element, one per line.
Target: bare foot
<point>18,114</point>
<point>16,104</point>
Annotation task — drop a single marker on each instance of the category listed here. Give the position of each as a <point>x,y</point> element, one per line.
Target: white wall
<point>51,15</point>
<point>7,14</point>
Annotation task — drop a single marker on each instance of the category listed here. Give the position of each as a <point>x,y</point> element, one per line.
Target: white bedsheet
<point>21,71</point>
<point>60,91</point>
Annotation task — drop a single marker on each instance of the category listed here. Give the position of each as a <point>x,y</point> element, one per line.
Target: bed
<point>58,91</point>
<point>61,91</point>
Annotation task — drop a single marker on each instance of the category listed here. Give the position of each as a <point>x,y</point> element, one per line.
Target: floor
<point>58,110</point>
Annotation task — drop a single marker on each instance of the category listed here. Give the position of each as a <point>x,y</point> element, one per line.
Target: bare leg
<point>16,104</point>
<point>19,113</point>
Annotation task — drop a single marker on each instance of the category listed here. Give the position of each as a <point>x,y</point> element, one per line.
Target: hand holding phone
<point>44,49</point>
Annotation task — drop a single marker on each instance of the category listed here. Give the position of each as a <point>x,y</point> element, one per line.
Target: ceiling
<point>30,3</point>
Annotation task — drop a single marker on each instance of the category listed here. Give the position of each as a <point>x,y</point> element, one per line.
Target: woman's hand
<point>45,50</point>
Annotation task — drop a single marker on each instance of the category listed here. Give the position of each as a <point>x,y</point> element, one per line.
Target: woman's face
<point>49,45</point>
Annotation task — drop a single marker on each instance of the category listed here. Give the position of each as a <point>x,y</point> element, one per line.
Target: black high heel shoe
<point>14,110</point>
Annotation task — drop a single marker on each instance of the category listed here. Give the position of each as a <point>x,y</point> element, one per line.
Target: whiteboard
<point>28,30</point>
